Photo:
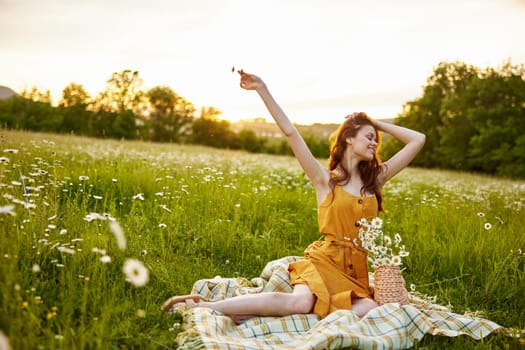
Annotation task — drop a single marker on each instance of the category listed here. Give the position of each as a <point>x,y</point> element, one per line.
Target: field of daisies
<point>96,234</point>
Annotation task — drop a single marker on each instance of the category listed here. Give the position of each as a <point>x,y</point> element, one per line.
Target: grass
<point>190,213</point>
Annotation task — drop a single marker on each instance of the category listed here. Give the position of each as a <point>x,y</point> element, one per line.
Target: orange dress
<point>335,269</point>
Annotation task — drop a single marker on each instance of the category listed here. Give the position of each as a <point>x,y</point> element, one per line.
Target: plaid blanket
<point>391,326</point>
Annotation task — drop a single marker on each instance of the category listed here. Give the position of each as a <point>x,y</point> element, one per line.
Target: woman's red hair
<point>369,170</point>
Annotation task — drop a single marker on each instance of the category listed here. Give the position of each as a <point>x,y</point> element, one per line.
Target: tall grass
<point>190,213</point>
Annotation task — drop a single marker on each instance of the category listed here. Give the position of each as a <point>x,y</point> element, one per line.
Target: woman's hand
<point>250,81</point>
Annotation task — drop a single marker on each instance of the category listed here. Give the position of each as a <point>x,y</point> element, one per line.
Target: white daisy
<point>7,209</point>
<point>139,196</point>
<point>377,222</point>
<point>396,260</point>
<point>136,273</point>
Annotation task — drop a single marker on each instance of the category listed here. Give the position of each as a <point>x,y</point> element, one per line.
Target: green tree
<point>37,95</point>
<point>474,119</point>
<point>124,125</point>
<point>74,105</point>
<point>209,130</point>
<point>456,128</point>
<point>497,100</point>
<point>36,112</point>
<point>123,93</point>
<point>170,114</point>
<point>249,141</point>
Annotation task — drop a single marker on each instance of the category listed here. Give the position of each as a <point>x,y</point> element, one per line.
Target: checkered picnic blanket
<point>391,326</point>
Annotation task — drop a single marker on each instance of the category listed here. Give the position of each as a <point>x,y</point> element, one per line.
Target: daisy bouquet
<point>383,250</point>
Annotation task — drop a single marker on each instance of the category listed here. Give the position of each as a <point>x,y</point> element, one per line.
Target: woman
<point>334,273</point>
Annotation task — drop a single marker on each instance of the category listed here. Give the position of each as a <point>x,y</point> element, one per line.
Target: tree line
<point>474,118</point>
<point>124,110</point>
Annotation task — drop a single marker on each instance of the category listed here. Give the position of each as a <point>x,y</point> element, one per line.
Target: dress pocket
<point>358,264</point>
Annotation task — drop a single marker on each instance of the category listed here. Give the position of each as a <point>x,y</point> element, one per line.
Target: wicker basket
<point>389,286</point>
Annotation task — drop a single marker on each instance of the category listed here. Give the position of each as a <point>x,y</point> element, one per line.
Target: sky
<point>321,59</point>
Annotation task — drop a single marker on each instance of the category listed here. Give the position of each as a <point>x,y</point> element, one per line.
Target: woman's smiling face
<point>364,144</point>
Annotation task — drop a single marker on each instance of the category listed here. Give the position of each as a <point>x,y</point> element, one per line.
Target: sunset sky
<point>322,59</point>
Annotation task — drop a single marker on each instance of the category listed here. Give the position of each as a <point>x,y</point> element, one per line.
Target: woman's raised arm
<point>413,141</point>
<point>314,170</point>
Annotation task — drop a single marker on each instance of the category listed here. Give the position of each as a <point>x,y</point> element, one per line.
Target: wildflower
<point>143,252</point>
<point>487,226</point>
<point>66,250</point>
<point>163,206</point>
<point>397,238</point>
<point>162,225</point>
<point>25,305</point>
<point>83,178</point>
<point>376,222</point>
<point>94,216</point>
<point>97,197</point>
<point>11,150</point>
<point>62,231</point>
<point>7,209</point>
<point>412,287</point>
<point>403,253</point>
<point>139,196</point>
<point>115,227</point>
<point>480,214</point>
<point>382,251</point>
<point>35,268</point>
<point>396,260</point>
<point>99,251</point>
<point>105,259</point>
<point>4,160</point>
<point>136,273</point>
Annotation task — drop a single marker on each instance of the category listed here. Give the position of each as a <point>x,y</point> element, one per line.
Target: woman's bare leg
<point>301,301</point>
<point>362,306</point>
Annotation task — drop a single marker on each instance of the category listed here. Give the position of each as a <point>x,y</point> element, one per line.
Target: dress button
<point>357,224</point>
<point>360,201</point>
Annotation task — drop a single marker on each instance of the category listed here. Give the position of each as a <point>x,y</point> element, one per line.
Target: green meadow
<point>190,212</point>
